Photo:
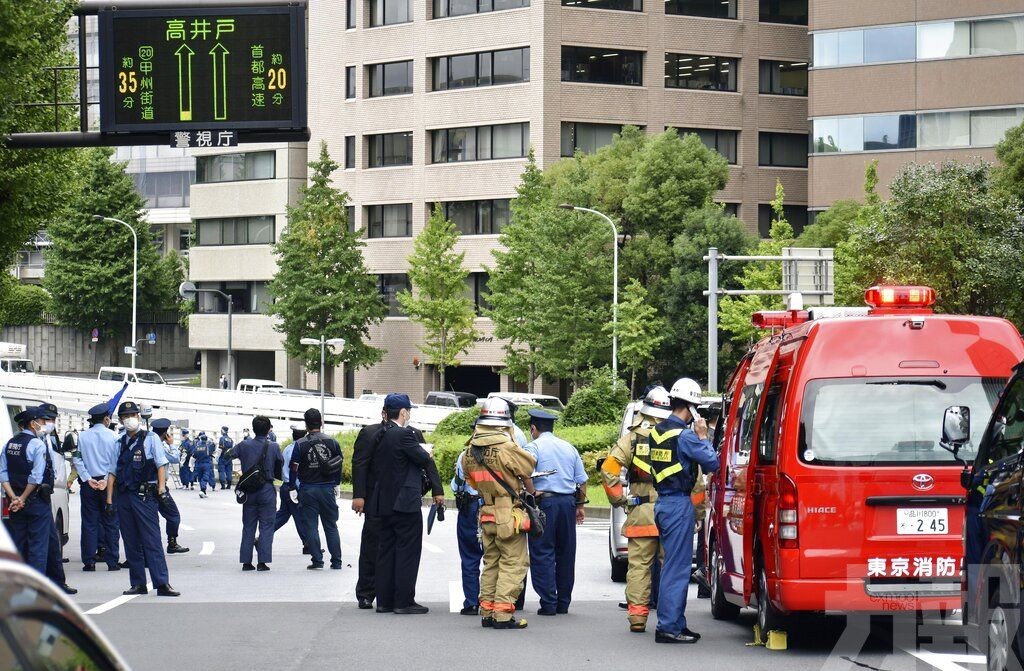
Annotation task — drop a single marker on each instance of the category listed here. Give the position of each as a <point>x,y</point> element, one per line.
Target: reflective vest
<point>640,469</point>
<point>669,472</point>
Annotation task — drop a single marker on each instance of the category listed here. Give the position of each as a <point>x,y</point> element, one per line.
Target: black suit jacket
<point>397,465</point>
<point>363,479</point>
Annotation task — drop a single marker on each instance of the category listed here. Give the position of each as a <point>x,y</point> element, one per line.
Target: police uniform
<point>185,468</point>
<point>133,491</point>
<point>553,554</point>
<point>467,502</point>
<point>259,507</point>
<point>55,549</point>
<point>168,508</point>
<point>94,459</point>
<point>502,522</point>
<point>226,459</point>
<point>202,460</point>
<point>290,509</point>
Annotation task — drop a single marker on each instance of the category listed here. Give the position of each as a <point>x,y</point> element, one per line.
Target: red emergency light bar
<point>779,319</point>
<point>883,296</point>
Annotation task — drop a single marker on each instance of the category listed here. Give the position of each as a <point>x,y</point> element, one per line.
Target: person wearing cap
<point>57,466</point>
<point>226,458</point>
<point>202,458</point>
<point>185,468</point>
<point>317,461</point>
<point>259,507</point>
<point>398,464</point>
<point>290,509</point>
<point>168,508</point>
<point>27,480</point>
<point>94,459</point>
<point>562,496</point>
<point>133,488</point>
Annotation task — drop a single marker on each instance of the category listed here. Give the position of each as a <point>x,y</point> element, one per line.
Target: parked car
<point>451,399</point>
<point>251,384</point>
<point>119,374</point>
<point>543,400</point>
<point>41,628</point>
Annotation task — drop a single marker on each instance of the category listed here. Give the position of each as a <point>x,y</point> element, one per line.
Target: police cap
<point>128,408</point>
<point>541,418</point>
<point>47,411</point>
<point>160,425</point>
<point>99,411</point>
<point>184,432</point>
<point>397,402</point>
<point>26,416</point>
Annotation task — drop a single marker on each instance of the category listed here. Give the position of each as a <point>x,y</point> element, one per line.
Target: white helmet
<point>656,403</point>
<point>687,390</point>
<point>495,412</point>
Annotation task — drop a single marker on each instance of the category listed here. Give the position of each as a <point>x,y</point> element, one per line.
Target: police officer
<point>494,454</point>
<point>57,467</point>
<point>226,460</point>
<point>679,444</point>
<point>94,459</point>
<point>290,509</point>
<point>132,491</point>
<point>398,464</point>
<point>633,453</point>
<point>317,460</point>
<point>202,460</point>
<point>27,480</point>
<point>258,507</point>
<point>471,553</point>
<point>562,496</point>
<point>168,508</point>
<point>185,470</point>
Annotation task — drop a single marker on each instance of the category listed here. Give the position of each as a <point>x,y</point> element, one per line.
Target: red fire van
<point>834,493</point>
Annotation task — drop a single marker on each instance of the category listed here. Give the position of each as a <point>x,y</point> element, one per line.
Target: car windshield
<point>20,366</point>
<point>549,403</point>
<point>890,421</point>
<point>149,378</point>
<point>467,401</point>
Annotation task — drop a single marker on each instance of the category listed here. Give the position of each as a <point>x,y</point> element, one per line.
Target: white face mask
<point>48,427</point>
<point>131,424</point>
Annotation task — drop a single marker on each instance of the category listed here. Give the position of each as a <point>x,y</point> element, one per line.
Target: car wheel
<point>769,618</point>
<point>720,608</point>
<point>997,649</point>
<point>619,569</point>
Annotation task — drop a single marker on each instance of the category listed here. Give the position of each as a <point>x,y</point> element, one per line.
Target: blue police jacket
<point>23,462</point>
<point>139,458</point>
<point>202,452</point>
<point>225,443</point>
<point>96,456</point>
<point>554,454</point>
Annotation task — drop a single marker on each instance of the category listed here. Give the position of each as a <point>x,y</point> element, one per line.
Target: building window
<point>246,298</point>
<point>796,215</point>
<point>389,149</point>
<point>390,79</point>
<point>443,8</point>
<point>184,239</point>
<point>717,9</point>
<point>620,5</point>
<point>389,12</point>
<point>706,73</point>
<point>892,131</point>
<point>587,137</point>
<point>602,66</point>
<point>476,291</point>
<point>350,82</point>
<point>389,286</point>
<point>508,66</point>
<point>722,141</point>
<point>781,78</point>
<point>389,221</point>
<point>731,209</point>
<point>235,231</point>
<point>234,167</point>
<point>350,13</point>
<point>478,217</point>
<point>350,218</point>
<point>480,143</point>
<point>350,152</point>
<point>786,150</point>
<point>164,189</point>
<point>783,11</point>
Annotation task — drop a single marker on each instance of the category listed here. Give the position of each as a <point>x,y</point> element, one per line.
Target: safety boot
<point>174,548</point>
<point>510,624</point>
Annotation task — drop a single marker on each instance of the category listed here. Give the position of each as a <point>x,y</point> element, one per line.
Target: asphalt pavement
<point>292,618</point>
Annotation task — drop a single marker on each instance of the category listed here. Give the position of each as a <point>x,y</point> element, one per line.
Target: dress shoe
<point>562,610</point>
<point>384,610</point>
<point>68,589</point>
<point>684,636</point>
<point>262,567</point>
<point>413,609</point>
<point>315,566</point>
<point>123,564</point>
<point>113,567</point>
<point>470,610</point>
<point>487,622</point>
<point>336,565</point>
<point>136,590</point>
<point>365,604</point>
<point>166,590</point>
<point>248,567</point>
<point>89,568</point>
<point>510,624</point>
<point>547,612</point>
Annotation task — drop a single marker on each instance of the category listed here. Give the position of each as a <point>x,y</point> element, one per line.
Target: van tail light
<point>882,296</point>
<point>5,507</point>
<point>789,536</point>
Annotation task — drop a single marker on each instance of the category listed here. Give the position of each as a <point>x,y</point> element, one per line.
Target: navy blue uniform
<point>316,494</point>
<point>290,509</point>
<point>23,462</point>
<point>202,460</point>
<point>471,552</point>
<point>139,458</point>
<point>259,507</point>
<point>225,461</point>
<point>95,458</point>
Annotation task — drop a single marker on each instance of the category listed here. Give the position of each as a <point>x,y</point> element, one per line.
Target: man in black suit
<point>398,465</point>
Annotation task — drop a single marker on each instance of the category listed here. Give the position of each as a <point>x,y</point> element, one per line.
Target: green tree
<point>640,330</point>
<point>1008,175</point>
<point>25,303</point>
<point>89,264</point>
<point>439,303</point>
<point>322,286</point>
<point>832,227</point>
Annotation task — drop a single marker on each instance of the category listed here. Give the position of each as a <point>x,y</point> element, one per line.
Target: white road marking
<point>430,547</point>
<point>455,596</point>
<point>185,527</point>
<point>947,661</point>
<point>207,548</point>
<point>114,603</point>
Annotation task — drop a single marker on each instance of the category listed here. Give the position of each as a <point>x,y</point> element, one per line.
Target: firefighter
<point>632,453</point>
<point>493,455</point>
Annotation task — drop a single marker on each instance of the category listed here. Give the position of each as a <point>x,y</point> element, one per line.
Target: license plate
<point>922,521</point>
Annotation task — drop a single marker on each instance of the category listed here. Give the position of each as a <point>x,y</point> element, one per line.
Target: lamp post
<point>188,291</point>
<point>615,285</point>
<point>323,342</point>
<point>135,276</point>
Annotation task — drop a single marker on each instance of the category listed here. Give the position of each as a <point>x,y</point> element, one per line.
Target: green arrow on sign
<point>184,53</point>
<point>220,85</point>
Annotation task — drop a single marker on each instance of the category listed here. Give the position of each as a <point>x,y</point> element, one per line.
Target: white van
<point>141,375</point>
<point>543,400</point>
<point>255,384</point>
<point>14,358</point>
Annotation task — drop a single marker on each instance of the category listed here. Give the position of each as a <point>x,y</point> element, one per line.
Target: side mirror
<point>956,428</point>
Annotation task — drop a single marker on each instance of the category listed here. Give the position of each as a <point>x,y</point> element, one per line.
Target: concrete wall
<point>58,349</point>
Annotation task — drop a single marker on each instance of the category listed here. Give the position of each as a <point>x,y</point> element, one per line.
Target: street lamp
<point>188,291</point>
<point>615,285</point>
<point>324,343</point>
<point>135,276</point>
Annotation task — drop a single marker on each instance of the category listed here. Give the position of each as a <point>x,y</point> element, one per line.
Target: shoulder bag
<point>537,516</point>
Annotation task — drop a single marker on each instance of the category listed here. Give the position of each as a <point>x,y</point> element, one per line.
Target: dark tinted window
<point>350,13</point>
<point>350,151</point>
<point>796,215</point>
<point>720,9</point>
<point>587,137</point>
<point>388,12</point>
<point>480,143</point>
<point>389,149</point>
<point>769,432</point>
<point>443,8</point>
<point>722,141</point>
<point>476,291</point>
<point>602,65</point>
<point>708,73</point>
<point>786,150</point>
<point>389,286</point>
<point>781,78</point>
<point>508,66</point>
<point>390,79</point>
<point>350,217</point>
<point>1006,436</point>
<point>350,82</point>
<point>235,231</point>
<point>784,11</point>
<point>622,5</point>
<point>389,221</point>
<point>478,217</point>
